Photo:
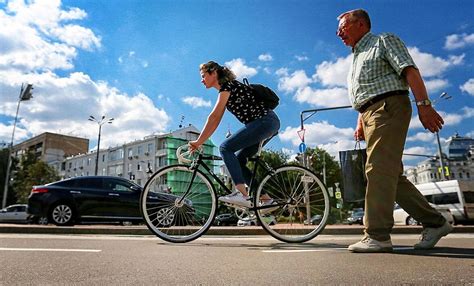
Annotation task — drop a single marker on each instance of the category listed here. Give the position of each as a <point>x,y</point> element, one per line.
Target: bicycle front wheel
<point>178,206</point>
<point>300,207</point>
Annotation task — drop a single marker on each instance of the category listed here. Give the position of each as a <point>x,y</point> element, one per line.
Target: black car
<point>356,217</point>
<point>95,198</point>
<point>226,219</point>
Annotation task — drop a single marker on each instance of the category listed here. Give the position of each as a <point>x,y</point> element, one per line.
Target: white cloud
<point>316,133</point>
<point>63,104</point>
<point>240,69</point>
<point>196,102</point>
<point>434,85</point>
<point>301,58</point>
<point>322,135</point>
<point>457,41</point>
<point>430,65</point>
<point>422,136</point>
<point>77,36</point>
<point>468,87</point>
<point>450,119</point>
<point>323,97</point>
<point>293,82</point>
<point>333,73</point>
<point>36,40</point>
<point>265,57</point>
<point>417,151</point>
<point>46,42</point>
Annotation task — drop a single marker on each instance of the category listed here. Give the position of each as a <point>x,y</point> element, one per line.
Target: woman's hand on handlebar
<point>193,146</point>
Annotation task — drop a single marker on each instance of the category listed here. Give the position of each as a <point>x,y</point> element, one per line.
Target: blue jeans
<point>243,144</point>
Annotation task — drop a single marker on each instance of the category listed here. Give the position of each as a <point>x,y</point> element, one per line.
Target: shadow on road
<point>449,252</point>
<point>257,246</point>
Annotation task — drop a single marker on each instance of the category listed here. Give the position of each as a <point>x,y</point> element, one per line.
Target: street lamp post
<point>443,96</point>
<point>100,122</point>
<point>25,94</point>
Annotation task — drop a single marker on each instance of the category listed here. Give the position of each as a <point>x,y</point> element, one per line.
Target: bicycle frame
<point>200,162</point>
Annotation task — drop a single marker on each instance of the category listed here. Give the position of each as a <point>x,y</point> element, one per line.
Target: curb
<point>214,230</point>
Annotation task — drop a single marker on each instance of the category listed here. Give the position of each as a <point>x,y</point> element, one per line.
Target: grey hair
<point>357,14</point>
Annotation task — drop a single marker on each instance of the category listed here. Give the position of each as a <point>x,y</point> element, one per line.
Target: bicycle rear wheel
<point>168,214</point>
<point>300,206</point>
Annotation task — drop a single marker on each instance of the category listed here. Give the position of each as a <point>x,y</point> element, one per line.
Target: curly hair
<point>224,74</point>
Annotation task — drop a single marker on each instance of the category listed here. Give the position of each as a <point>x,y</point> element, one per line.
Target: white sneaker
<point>368,244</point>
<point>236,198</point>
<point>431,236</point>
<point>266,203</point>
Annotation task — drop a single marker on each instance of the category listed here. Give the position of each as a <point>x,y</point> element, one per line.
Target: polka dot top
<point>242,103</point>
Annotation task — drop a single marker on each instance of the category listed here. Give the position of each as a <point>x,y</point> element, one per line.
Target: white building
<point>134,160</point>
<point>458,162</point>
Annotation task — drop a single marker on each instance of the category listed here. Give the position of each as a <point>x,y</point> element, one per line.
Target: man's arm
<point>430,119</point>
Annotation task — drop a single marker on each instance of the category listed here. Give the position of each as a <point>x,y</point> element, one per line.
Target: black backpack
<point>264,94</point>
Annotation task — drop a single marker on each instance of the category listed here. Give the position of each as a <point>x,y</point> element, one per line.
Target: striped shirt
<point>377,67</point>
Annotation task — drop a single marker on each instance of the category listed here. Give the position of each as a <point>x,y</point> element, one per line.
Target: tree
<point>29,173</point>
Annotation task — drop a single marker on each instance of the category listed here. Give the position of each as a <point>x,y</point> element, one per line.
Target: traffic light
<point>27,92</point>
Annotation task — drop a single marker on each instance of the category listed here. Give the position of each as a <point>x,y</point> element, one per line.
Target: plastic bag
<point>354,180</point>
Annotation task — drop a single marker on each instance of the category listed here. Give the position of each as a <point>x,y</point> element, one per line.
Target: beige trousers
<point>385,125</point>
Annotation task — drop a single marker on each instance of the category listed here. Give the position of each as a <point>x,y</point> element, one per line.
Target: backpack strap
<point>246,82</point>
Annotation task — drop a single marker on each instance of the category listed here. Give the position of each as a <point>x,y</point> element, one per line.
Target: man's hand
<point>359,131</point>
<point>430,119</point>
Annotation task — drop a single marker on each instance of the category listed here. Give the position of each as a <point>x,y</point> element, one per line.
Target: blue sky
<point>137,61</point>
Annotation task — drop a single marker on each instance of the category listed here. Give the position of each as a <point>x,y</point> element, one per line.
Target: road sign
<point>338,195</point>
<point>302,147</point>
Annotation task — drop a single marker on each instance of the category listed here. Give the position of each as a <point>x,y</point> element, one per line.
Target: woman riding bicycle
<point>260,123</point>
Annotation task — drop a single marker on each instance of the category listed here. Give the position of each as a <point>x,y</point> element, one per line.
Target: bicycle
<point>179,202</point>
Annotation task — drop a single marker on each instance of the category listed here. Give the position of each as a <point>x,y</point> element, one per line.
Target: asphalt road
<point>54,259</point>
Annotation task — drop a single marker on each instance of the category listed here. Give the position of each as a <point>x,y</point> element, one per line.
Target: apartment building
<point>135,160</point>
<point>458,162</point>
<point>52,148</point>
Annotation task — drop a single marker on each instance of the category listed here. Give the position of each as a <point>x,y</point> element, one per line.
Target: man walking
<point>382,71</point>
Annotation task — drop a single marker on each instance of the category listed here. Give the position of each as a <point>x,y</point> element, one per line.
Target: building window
<point>139,150</point>
<point>130,152</point>
<point>139,167</point>
<point>103,158</point>
<point>130,167</point>
<point>467,175</point>
<point>149,148</point>
<point>460,175</point>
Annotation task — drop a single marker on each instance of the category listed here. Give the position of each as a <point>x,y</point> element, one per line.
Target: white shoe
<point>267,203</point>
<point>368,244</point>
<point>236,198</point>
<point>431,236</point>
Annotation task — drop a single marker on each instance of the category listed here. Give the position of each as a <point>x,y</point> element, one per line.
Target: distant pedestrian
<point>382,71</point>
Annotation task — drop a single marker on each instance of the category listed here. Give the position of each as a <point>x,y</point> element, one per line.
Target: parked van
<point>456,195</point>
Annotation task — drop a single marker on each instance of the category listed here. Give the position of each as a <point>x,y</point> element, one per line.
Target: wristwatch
<point>424,102</point>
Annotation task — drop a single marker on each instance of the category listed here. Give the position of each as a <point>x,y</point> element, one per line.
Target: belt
<point>379,97</point>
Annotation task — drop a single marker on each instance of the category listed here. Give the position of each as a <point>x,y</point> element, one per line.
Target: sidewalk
<point>214,230</point>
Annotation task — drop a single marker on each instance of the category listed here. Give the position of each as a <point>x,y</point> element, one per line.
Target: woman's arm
<point>212,121</point>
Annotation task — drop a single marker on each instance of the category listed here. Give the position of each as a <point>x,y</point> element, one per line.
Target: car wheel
<point>165,217</point>
<point>42,220</point>
<point>411,221</point>
<point>62,214</point>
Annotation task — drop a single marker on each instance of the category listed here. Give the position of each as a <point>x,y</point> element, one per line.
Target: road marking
<point>50,249</point>
<point>304,250</point>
